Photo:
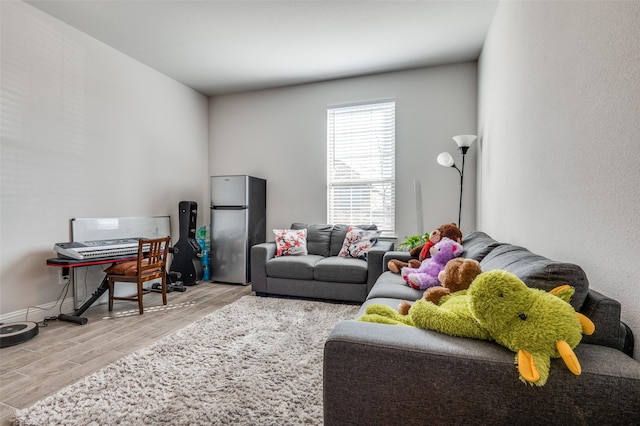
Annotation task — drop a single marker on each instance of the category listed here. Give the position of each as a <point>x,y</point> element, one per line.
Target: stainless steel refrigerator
<point>238,221</point>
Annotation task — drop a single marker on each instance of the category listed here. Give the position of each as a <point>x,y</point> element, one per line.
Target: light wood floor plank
<point>64,352</point>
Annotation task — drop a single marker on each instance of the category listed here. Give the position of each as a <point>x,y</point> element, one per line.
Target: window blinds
<point>361,165</point>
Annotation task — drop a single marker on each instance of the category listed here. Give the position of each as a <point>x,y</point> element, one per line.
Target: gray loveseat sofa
<point>320,274</point>
<point>376,374</point>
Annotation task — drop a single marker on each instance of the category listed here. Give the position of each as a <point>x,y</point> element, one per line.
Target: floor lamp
<point>445,159</point>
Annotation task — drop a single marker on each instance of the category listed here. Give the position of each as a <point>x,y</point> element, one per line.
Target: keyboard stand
<point>102,289</point>
<point>67,264</point>
<point>173,282</point>
<point>76,316</point>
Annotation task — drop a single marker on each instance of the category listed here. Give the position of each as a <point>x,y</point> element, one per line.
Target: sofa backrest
<point>326,240</point>
<point>477,245</point>
<point>318,237</point>
<point>536,271</point>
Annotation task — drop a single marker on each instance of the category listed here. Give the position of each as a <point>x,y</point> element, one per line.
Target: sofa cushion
<point>338,234</point>
<point>341,269</point>
<point>538,271</point>
<point>294,267</point>
<point>390,285</point>
<point>477,245</point>
<point>318,237</point>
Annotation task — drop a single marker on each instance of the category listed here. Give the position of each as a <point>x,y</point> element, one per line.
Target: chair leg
<point>164,290</point>
<point>140,298</point>
<point>110,294</point>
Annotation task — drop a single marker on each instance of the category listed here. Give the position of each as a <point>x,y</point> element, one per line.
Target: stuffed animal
<point>449,230</point>
<point>498,306</point>
<point>417,253</point>
<point>535,324</point>
<point>426,275</point>
<point>457,276</point>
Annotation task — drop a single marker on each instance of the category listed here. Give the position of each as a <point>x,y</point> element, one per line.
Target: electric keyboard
<point>93,249</point>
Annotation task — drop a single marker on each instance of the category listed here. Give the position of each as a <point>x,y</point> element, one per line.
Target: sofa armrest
<point>404,256</point>
<point>260,255</point>
<point>605,314</point>
<point>374,261</point>
<point>378,374</point>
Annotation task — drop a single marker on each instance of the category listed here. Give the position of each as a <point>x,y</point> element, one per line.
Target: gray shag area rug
<point>257,361</point>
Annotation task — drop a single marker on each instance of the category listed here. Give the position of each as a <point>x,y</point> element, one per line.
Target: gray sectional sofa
<point>321,273</point>
<point>376,374</point>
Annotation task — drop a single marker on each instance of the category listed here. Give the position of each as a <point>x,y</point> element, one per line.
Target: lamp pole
<point>461,183</point>
<point>463,151</point>
<point>445,159</point>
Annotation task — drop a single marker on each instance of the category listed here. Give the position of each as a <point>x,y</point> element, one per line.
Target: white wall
<point>80,124</point>
<point>281,135</point>
<point>559,121</point>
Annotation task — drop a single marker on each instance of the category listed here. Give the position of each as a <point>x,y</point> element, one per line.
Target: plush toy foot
<point>381,313</point>
<point>422,281</point>
<point>380,319</point>
<point>414,263</point>
<point>434,294</point>
<point>396,265</point>
<point>413,281</point>
<point>533,368</point>
<point>403,307</point>
<point>406,272</point>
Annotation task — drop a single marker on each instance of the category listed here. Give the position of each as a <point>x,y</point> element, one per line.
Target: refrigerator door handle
<point>229,207</point>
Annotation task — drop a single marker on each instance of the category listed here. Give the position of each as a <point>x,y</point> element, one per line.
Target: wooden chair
<point>151,265</point>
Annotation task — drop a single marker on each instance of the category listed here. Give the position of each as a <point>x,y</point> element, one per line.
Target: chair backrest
<point>152,254</point>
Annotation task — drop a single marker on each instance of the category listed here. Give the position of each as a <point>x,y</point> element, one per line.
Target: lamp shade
<point>464,141</point>
<point>445,159</point>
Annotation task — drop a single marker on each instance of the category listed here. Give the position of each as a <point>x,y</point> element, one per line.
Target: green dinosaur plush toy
<point>498,306</point>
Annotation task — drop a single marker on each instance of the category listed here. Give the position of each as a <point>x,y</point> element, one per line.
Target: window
<point>361,165</point>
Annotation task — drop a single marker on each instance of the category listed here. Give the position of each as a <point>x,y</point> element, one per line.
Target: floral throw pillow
<point>357,242</point>
<point>291,242</point>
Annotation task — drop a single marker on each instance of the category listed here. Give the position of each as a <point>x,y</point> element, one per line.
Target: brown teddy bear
<point>456,276</point>
<point>449,230</point>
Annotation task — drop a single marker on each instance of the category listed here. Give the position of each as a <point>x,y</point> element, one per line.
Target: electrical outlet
<point>63,279</point>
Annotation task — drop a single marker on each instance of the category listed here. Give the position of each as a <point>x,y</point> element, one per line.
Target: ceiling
<point>218,47</point>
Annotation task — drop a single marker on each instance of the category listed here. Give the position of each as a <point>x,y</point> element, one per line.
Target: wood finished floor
<point>64,352</point>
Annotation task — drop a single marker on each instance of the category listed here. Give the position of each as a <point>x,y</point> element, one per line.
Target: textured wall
<point>81,123</point>
<point>559,108</point>
<point>281,135</point>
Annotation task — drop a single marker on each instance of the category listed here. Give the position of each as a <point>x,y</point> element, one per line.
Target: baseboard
<point>39,313</point>
<point>52,309</point>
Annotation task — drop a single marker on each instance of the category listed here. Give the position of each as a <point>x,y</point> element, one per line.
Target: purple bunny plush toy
<point>426,275</point>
